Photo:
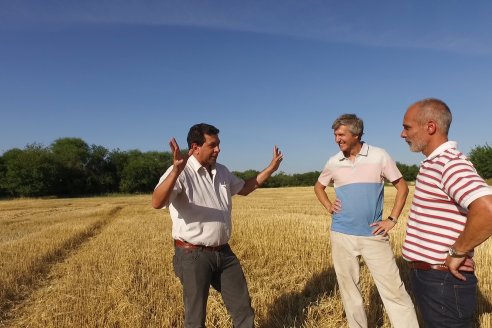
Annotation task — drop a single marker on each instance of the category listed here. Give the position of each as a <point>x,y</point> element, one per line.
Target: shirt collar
<point>441,149</point>
<point>364,151</point>
<point>196,166</point>
<point>194,163</point>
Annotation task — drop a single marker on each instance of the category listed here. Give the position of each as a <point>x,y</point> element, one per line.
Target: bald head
<point>426,125</point>
<point>435,110</point>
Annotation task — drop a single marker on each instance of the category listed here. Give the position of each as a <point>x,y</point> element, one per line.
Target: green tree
<point>29,172</point>
<point>248,174</point>
<point>481,157</point>
<point>100,171</point>
<point>283,180</point>
<point>278,180</point>
<point>305,179</point>
<point>409,172</point>
<point>3,172</point>
<point>142,171</point>
<point>72,156</point>
<point>117,161</point>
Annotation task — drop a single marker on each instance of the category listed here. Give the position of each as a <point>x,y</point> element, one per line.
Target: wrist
<point>453,252</point>
<point>392,219</point>
<point>175,172</point>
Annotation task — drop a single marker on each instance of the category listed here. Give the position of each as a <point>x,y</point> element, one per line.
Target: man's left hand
<point>277,158</point>
<point>382,227</point>
<point>457,264</point>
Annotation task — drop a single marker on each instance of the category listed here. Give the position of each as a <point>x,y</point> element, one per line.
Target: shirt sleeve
<point>462,183</point>
<point>178,186</point>
<point>326,175</point>
<point>390,170</point>
<point>236,184</point>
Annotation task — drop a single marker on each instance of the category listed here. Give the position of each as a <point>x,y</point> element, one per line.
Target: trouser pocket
<point>178,265</point>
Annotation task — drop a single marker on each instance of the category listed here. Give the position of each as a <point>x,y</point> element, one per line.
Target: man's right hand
<point>161,194</point>
<point>335,207</point>
<point>179,161</point>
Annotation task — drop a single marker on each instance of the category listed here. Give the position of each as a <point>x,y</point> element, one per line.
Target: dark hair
<point>354,123</point>
<point>197,133</point>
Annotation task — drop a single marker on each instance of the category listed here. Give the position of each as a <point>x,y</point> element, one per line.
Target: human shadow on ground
<point>484,306</point>
<point>375,313</point>
<point>288,310</point>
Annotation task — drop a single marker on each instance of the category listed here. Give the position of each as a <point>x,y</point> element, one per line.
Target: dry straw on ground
<point>106,262</point>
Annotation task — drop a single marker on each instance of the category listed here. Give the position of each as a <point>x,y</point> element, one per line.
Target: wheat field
<point>107,262</point>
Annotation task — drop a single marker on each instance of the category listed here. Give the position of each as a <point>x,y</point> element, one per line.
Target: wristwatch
<point>453,253</point>
<point>395,221</point>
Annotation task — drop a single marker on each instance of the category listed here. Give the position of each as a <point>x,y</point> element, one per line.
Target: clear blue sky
<point>132,74</point>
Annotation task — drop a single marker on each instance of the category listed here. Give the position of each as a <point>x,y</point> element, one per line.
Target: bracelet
<point>392,219</point>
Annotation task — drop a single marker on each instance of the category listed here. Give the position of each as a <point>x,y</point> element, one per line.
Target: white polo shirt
<point>200,205</point>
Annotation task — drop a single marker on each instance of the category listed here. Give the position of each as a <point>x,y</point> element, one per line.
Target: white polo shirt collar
<point>364,151</point>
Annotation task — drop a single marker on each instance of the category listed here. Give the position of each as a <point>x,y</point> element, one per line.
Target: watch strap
<point>453,253</point>
<point>395,221</point>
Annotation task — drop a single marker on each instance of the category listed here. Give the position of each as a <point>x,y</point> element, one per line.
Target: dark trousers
<point>198,269</point>
<point>443,300</point>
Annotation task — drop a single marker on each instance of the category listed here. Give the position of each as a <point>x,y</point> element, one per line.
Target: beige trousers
<point>378,256</point>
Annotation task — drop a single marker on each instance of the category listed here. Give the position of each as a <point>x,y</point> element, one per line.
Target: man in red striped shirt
<point>451,214</point>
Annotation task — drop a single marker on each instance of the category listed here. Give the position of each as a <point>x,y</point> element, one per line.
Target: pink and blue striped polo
<point>359,185</point>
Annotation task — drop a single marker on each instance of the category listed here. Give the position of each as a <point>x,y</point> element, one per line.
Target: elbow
<point>318,187</point>
<point>482,206</point>
<point>158,203</point>
<point>402,187</point>
<point>250,185</point>
<point>246,191</point>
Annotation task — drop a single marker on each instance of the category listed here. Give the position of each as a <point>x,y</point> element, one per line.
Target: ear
<point>195,147</point>
<point>431,127</point>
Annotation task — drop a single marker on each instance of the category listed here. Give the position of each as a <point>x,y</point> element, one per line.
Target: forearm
<point>255,182</point>
<point>161,194</point>
<point>478,226</point>
<point>319,190</point>
<point>400,198</point>
<point>398,206</point>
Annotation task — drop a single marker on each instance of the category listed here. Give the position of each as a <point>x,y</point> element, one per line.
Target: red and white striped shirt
<point>446,185</point>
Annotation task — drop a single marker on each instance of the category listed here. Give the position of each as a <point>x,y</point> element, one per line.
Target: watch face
<point>452,253</point>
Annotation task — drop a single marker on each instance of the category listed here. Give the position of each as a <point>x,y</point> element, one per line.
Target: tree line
<point>70,167</point>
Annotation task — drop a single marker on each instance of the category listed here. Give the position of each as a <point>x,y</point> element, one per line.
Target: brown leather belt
<point>184,244</point>
<point>419,265</point>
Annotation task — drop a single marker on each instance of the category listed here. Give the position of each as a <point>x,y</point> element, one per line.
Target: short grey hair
<point>432,109</point>
<point>354,123</point>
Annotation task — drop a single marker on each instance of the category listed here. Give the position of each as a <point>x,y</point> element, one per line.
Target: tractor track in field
<point>40,273</point>
<point>27,215</point>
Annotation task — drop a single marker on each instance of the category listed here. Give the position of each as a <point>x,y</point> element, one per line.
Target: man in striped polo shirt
<point>358,172</point>
<point>451,213</point>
